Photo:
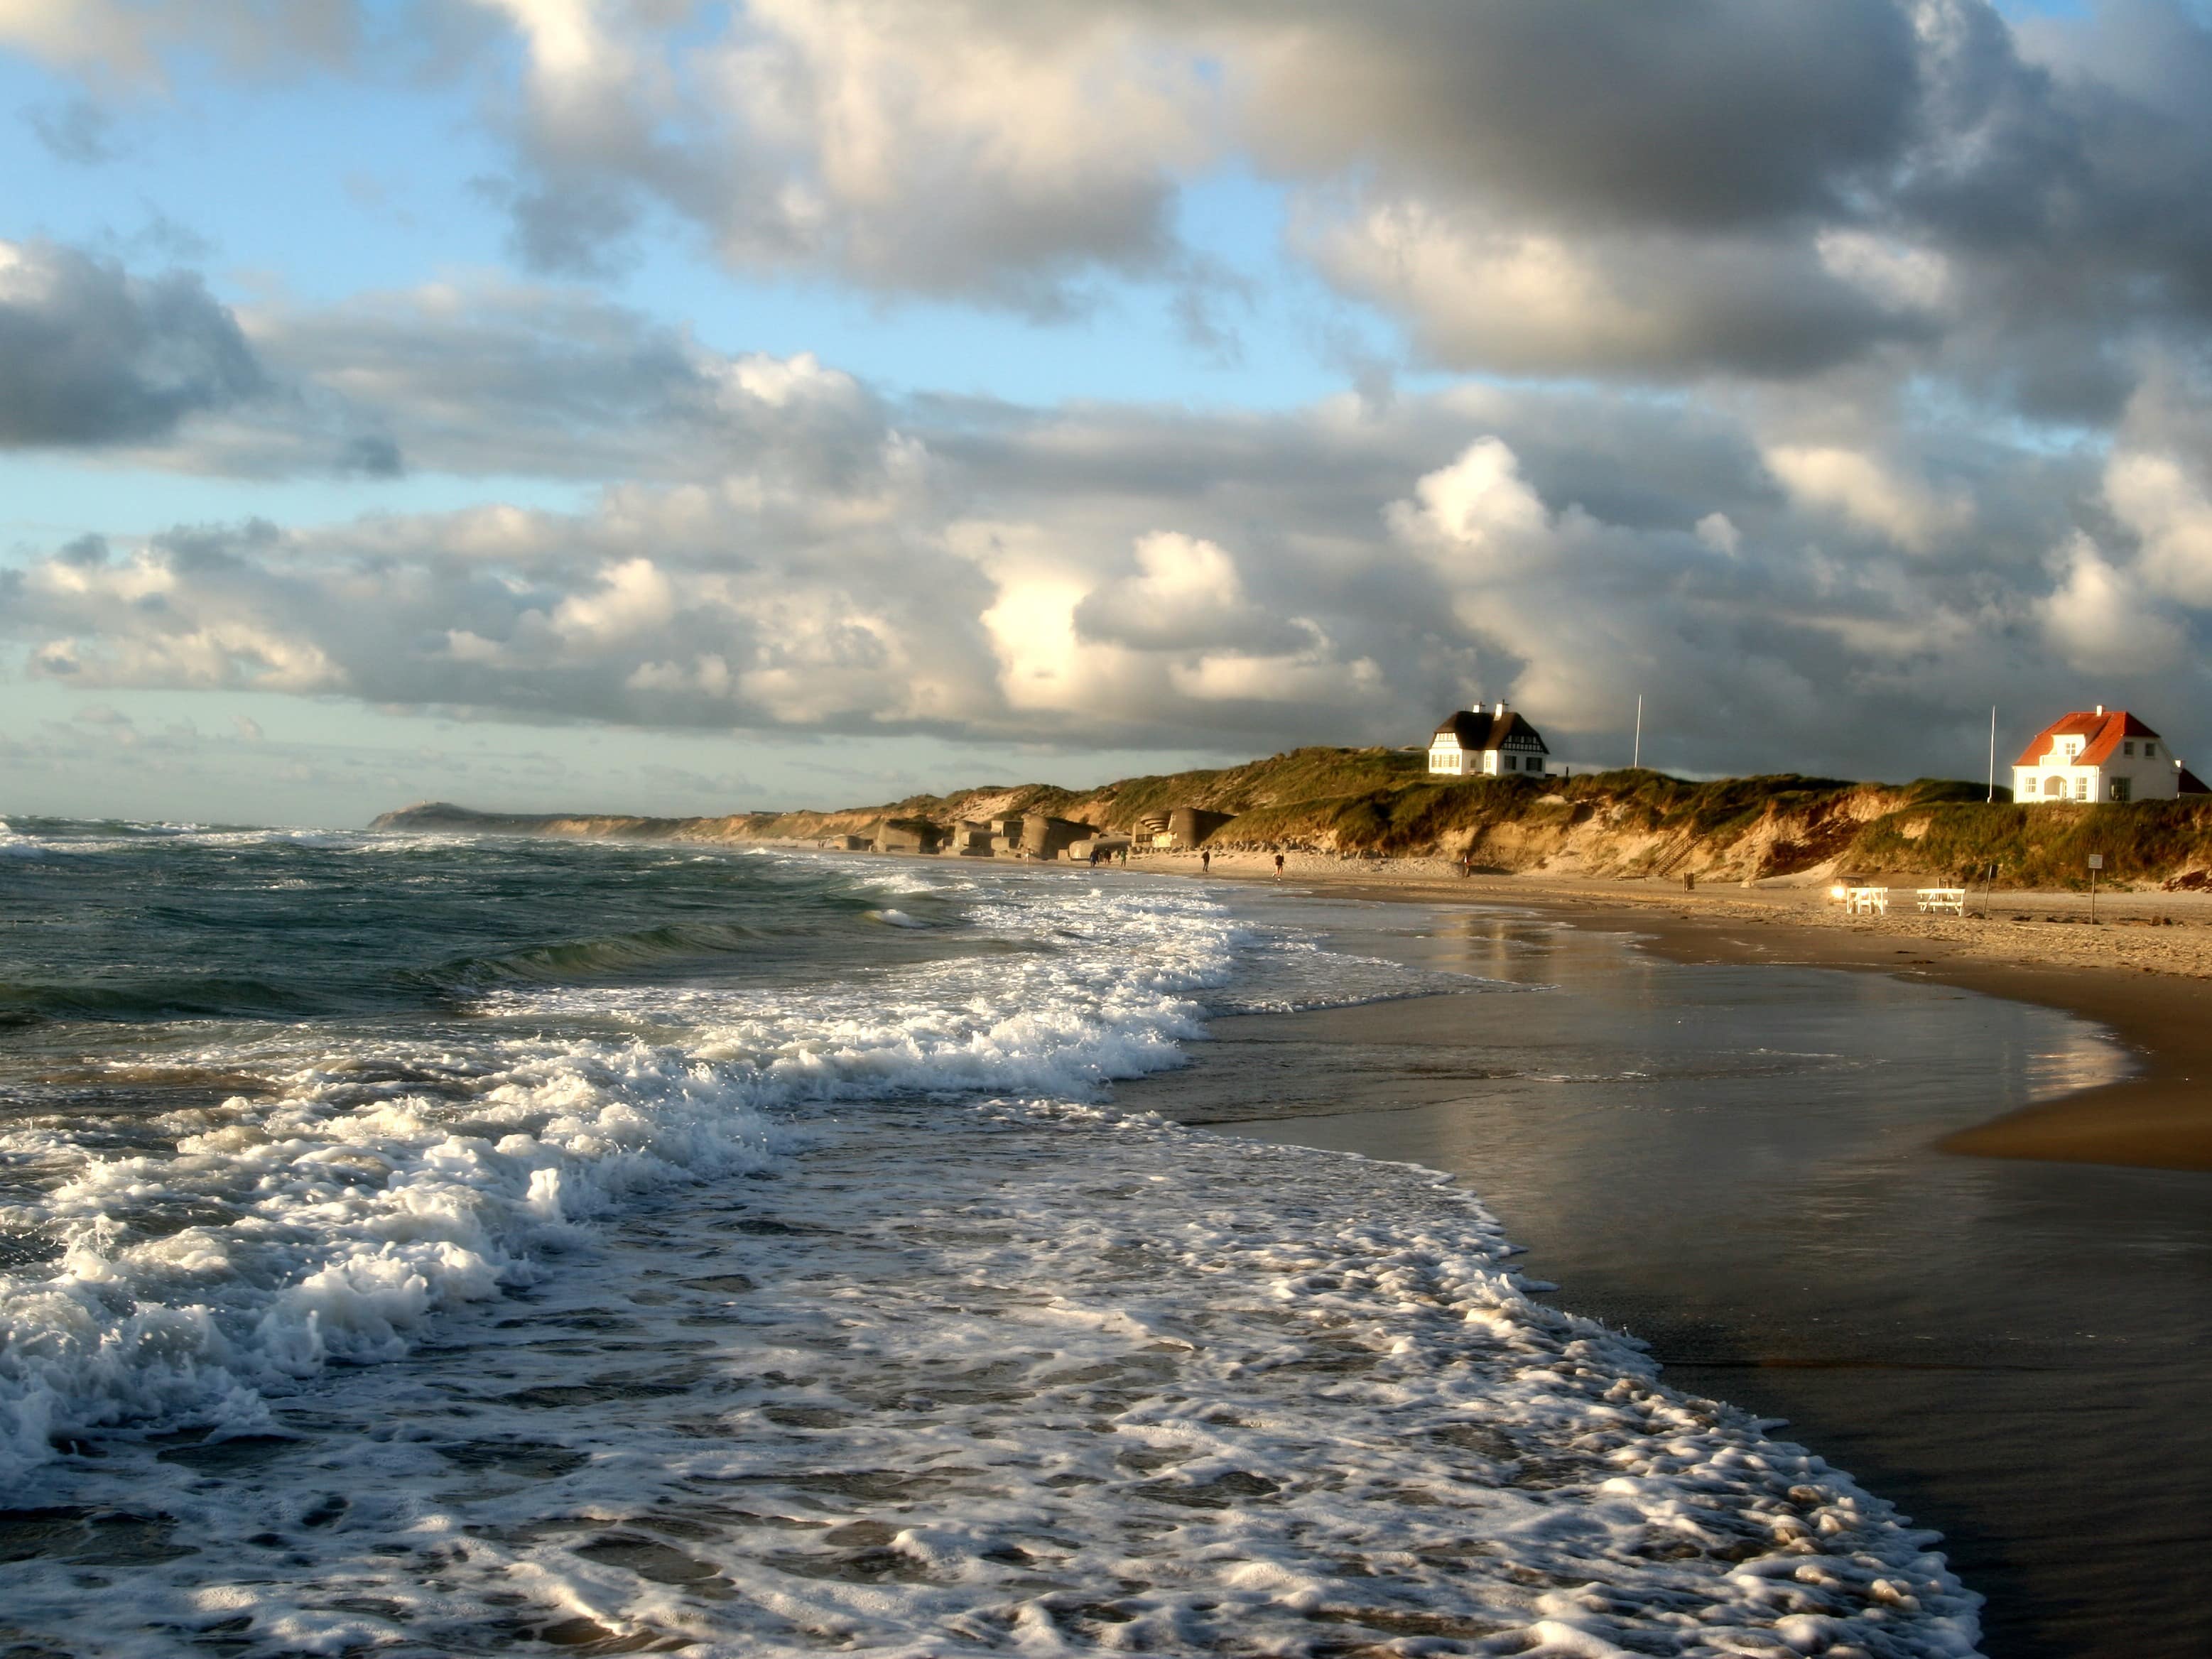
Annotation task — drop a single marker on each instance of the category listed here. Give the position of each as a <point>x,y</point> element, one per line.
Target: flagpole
<point>1637,760</point>
<point>1993,754</point>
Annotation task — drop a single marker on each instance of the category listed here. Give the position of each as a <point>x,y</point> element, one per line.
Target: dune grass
<point>1623,823</point>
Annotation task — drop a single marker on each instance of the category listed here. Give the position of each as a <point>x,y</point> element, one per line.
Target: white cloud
<point>1898,275</point>
<point>566,39</point>
<point>1480,503</point>
<point>2101,621</point>
<point>1132,577</point>
<point>2158,499</point>
<point>1482,290</point>
<point>1872,492</point>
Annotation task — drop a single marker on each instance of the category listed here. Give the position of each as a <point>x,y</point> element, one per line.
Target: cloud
<point>1718,532</point>
<point>127,40</point>
<point>1822,365</point>
<point>484,376</point>
<point>1187,593</point>
<point>77,132</point>
<point>1871,492</point>
<point>1723,188</point>
<point>1128,578</point>
<point>1007,154</point>
<point>1719,114</point>
<point>91,356</point>
<point>688,606</point>
<point>2170,512</point>
<point>2100,620</point>
<point>932,147</point>
<point>1489,292</point>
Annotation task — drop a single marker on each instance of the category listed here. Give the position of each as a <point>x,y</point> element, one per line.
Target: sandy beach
<point>1707,1136</point>
<point>2142,969</point>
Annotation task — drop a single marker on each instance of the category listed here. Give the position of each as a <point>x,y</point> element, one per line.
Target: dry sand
<point>2143,968</point>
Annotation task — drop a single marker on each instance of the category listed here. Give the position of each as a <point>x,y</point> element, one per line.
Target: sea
<point>430,1245</point>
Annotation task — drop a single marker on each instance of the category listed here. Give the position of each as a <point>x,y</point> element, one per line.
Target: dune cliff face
<point>1623,824</point>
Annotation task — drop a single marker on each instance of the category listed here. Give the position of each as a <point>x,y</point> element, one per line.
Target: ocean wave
<point>345,1229</point>
<point>846,1312</point>
<point>599,957</point>
<point>1026,1377</point>
<point>334,1218</point>
<point>147,997</point>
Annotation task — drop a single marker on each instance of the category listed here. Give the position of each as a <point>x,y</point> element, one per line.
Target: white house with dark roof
<point>1487,744</point>
<point>2092,756</point>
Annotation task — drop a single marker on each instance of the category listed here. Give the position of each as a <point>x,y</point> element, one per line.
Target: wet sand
<point>2144,972</point>
<point>1738,1159</point>
<point>2159,1117</point>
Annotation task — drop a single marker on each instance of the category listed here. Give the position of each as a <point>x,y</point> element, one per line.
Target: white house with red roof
<point>1478,743</point>
<point>2094,755</point>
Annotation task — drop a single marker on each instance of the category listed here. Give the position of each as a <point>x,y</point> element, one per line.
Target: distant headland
<point>1384,803</point>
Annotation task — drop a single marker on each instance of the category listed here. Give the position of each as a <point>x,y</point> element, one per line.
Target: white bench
<point>1943,901</point>
<point>1867,900</point>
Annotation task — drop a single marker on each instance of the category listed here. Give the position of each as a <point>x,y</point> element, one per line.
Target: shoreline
<point>2002,1347</point>
<point>2152,991</point>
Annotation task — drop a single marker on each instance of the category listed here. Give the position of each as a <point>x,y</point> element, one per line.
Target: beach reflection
<point>2084,1059</point>
<point>1738,1165</point>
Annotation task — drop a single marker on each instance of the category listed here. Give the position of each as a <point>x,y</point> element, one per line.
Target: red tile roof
<point>2100,734</point>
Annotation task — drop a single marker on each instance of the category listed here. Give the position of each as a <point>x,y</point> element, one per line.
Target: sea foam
<point>352,1208</point>
<point>750,1318</point>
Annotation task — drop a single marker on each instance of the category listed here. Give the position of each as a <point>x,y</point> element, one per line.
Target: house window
<point>2119,789</point>
<point>1509,763</point>
<point>1535,764</point>
<point>2127,749</point>
<point>2081,789</point>
<point>2150,749</point>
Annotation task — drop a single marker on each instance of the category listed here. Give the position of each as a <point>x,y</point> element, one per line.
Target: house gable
<point>2097,754</point>
<point>1473,741</point>
<point>2100,734</point>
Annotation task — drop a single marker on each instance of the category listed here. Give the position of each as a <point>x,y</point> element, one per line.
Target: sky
<point>665,406</point>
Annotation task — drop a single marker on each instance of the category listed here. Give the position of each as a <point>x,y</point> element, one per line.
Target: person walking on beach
<point>1279,867</point>
<point>1204,861</point>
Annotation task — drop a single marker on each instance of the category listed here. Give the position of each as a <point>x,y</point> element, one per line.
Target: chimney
<point>2100,708</point>
<point>1500,710</point>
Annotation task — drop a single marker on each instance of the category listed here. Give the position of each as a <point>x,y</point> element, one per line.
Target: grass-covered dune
<point>1620,824</point>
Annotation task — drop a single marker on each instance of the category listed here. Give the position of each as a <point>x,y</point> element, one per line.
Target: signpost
<point>2096,863</point>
